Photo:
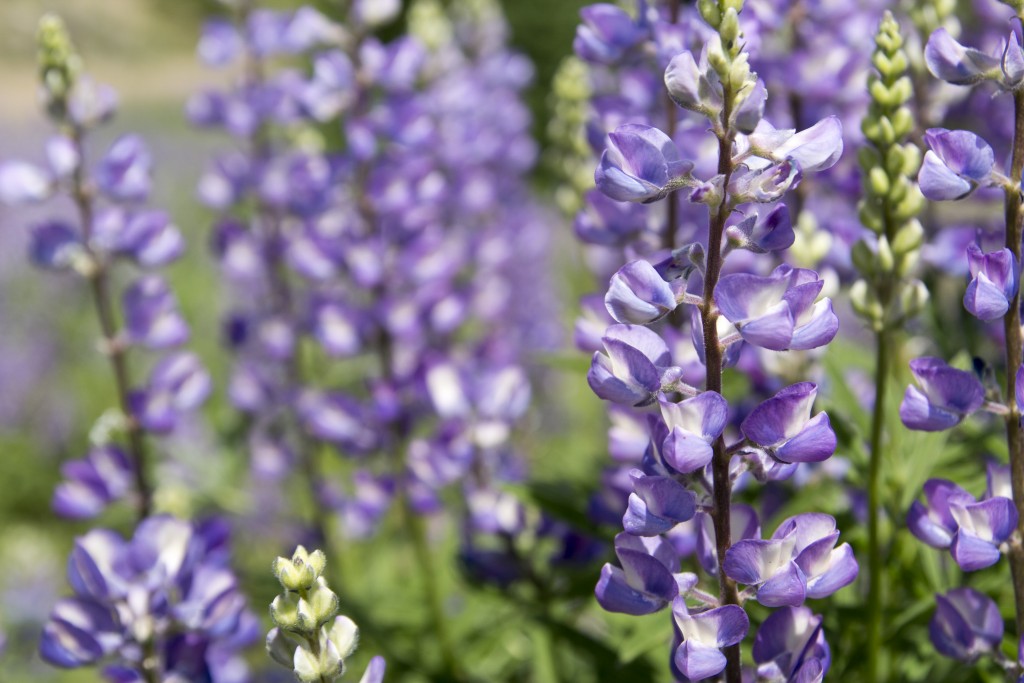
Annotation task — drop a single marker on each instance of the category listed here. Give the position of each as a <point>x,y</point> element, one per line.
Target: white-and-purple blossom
<point>945,397</point>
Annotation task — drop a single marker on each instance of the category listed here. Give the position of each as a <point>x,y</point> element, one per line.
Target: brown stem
<point>1014,344</point>
<point>115,350</point>
<point>713,358</point>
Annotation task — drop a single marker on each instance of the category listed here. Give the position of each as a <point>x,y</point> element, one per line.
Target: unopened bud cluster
<point>309,637</point>
<point>885,298</point>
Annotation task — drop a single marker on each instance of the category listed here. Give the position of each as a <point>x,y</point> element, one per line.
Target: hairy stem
<point>713,356</point>
<point>115,350</point>
<point>882,362</point>
<point>1014,344</point>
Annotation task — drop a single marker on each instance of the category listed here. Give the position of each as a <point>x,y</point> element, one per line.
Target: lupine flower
<point>630,370</point>
<point>790,646</point>
<point>704,634</point>
<point>637,294</point>
<point>657,504</point>
<point>783,427</point>
<point>153,588</point>
<point>778,312</point>
<point>91,484</point>
<point>646,581</point>
<point>639,164</point>
<point>957,164</point>
<point>607,32</point>
<point>693,426</point>
<point>799,561</point>
<point>762,230</point>
<point>993,284</point>
<point>815,149</point>
<point>945,397</point>
<point>123,173</point>
<point>693,85</point>
<point>744,523</point>
<point>966,624</point>
<point>950,61</point>
<point>151,314</point>
<point>23,183</point>
<point>953,519</point>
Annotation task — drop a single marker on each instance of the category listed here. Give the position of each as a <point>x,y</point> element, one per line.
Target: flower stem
<point>882,349</point>
<point>115,350</point>
<point>713,356</point>
<point>1014,345</point>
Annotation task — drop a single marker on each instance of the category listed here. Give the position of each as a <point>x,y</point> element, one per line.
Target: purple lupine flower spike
<point>957,164</point>
<point>693,425</point>
<point>630,370</point>
<point>950,61</point>
<point>638,294</point>
<point>639,164</point>
<point>994,281</point>
<point>704,634</point>
<point>784,428</point>
<point>645,583</point>
<point>966,624</point>
<point>945,397</point>
<point>790,646</point>
<point>778,312</point>
<point>657,504</point>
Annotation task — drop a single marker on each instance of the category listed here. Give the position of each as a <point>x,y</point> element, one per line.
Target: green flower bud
<point>879,181</point>
<point>323,602</point>
<point>909,238</point>
<point>913,298</point>
<point>284,611</point>
<point>300,572</point>
<point>886,259</point>
<point>710,12</point>
<point>729,28</point>
<point>863,258</point>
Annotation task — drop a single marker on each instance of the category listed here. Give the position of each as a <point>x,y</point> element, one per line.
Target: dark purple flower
<point>799,561</point>
<point>790,645</point>
<point>957,164</point>
<point>90,484</point>
<point>124,172</point>
<point>744,524</point>
<point>704,635</point>
<point>606,34</point>
<point>178,384</point>
<point>657,504</point>
<point>639,164</point>
<point>637,294</point>
<point>148,237</point>
<point>778,312</point>
<point>783,426</point>
<point>630,370</point>
<point>953,519</point>
<point>966,624</point>
<point>950,61</point>
<point>762,230</point>
<point>993,282</point>
<point>151,314</point>
<point>338,419</point>
<point>55,245</point>
<point>645,583</point>
<point>946,396</point>
<point>693,426</point>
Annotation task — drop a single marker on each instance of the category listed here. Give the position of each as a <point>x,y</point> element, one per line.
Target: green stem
<point>883,341</point>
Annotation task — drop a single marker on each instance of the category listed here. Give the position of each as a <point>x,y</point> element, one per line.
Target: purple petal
<point>815,442</point>
<point>950,61</point>
<point>938,182</point>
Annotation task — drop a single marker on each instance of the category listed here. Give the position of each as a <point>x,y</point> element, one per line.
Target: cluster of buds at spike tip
<point>885,297</point>
<point>309,637</point>
<point>58,63</point>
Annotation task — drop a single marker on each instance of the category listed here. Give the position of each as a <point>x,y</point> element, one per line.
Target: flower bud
<point>281,648</point>
<point>284,611</point>
<point>310,668</point>
<point>345,635</point>
<point>914,298</point>
<point>323,602</point>
<point>300,572</point>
